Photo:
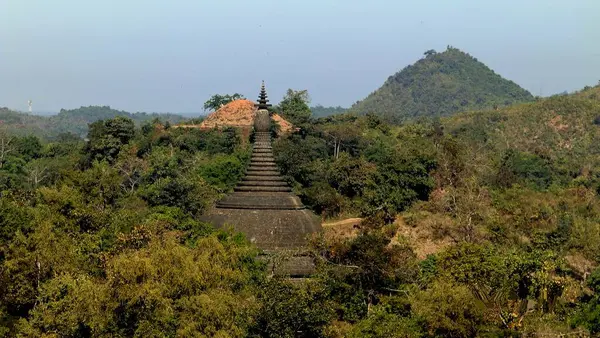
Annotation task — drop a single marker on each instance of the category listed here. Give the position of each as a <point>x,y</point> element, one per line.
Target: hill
<point>76,120</point>
<point>73,121</point>
<point>239,113</point>
<point>22,124</point>
<point>441,84</point>
<point>321,111</point>
<point>563,130</point>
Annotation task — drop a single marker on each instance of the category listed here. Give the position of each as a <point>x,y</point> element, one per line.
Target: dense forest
<point>441,84</point>
<point>74,121</point>
<point>486,223</point>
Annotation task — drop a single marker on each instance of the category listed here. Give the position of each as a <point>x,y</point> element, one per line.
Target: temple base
<point>268,229</point>
<point>290,264</point>
<point>281,234</point>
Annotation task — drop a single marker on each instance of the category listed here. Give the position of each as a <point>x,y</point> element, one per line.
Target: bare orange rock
<point>239,113</point>
<point>284,126</point>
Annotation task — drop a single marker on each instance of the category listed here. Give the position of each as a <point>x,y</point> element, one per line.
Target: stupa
<point>264,208</point>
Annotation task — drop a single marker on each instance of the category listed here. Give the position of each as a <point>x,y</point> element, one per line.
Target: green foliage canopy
<point>441,84</point>
<point>217,101</point>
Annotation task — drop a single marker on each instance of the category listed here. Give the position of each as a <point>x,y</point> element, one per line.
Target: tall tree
<point>217,101</point>
<point>107,137</point>
<point>6,147</point>
<point>294,106</point>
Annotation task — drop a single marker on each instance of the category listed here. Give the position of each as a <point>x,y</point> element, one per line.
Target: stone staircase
<point>262,186</point>
<point>264,208</point>
<point>262,174</point>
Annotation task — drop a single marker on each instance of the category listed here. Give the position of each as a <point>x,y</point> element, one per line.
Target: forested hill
<point>441,84</point>
<point>77,120</point>
<point>71,121</point>
<point>321,111</point>
<point>562,128</point>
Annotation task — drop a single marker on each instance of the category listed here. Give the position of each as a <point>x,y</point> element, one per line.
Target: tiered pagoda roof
<point>262,98</point>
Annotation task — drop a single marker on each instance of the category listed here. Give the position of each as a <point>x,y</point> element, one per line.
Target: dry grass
<point>424,236</point>
<point>344,229</point>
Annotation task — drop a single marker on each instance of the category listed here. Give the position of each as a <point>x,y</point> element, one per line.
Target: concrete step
<point>275,178</point>
<point>254,165</point>
<point>251,169</point>
<point>262,158</point>
<point>261,161</point>
<point>262,189</point>
<point>261,184</point>
<point>262,173</point>
<point>270,169</point>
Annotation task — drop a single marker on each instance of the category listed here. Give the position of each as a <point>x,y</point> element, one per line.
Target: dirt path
<point>344,229</point>
<point>344,222</point>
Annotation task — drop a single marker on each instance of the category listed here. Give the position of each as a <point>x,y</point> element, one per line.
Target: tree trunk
<point>4,149</point>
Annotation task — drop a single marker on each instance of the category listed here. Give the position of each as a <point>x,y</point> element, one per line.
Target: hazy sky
<point>171,55</point>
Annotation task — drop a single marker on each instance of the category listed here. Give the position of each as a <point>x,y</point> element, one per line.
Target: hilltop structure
<point>240,114</point>
<point>264,208</point>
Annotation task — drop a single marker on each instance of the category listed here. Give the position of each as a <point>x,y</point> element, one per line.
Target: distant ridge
<point>73,121</point>
<point>321,111</point>
<point>441,84</point>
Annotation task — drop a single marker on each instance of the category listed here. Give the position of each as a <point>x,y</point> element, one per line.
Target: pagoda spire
<point>262,98</point>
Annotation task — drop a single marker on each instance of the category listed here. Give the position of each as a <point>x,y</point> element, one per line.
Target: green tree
<point>525,168</point>
<point>588,315</point>
<point>29,147</point>
<point>342,137</point>
<point>381,323</point>
<point>294,106</point>
<point>7,147</point>
<point>217,101</point>
<point>106,137</point>
<point>161,289</point>
<point>222,171</point>
<point>448,314</point>
<point>430,52</point>
<point>191,195</point>
<point>350,176</point>
<point>290,310</point>
<point>402,177</point>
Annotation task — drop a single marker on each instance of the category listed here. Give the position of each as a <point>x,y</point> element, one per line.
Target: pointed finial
<point>262,98</point>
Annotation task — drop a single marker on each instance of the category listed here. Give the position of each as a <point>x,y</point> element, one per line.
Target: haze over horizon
<point>159,56</point>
